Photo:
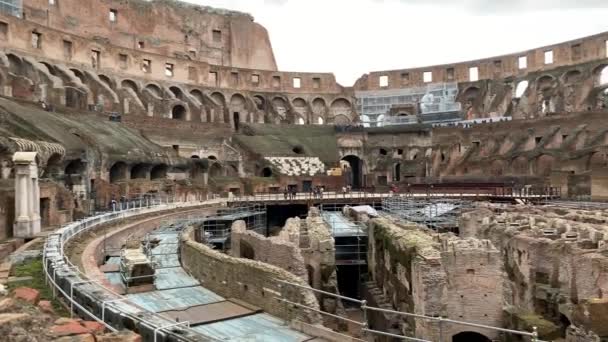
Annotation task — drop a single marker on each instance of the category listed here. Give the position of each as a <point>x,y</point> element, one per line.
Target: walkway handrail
<point>54,258</point>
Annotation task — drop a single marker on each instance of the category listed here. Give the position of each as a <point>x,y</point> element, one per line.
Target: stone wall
<point>251,281</point>
<point>282,250</point>
<point>555,265</point>
<point>442,276</point>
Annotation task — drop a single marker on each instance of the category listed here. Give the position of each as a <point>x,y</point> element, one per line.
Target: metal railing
<point>55,258</point>
<point>366,310</point>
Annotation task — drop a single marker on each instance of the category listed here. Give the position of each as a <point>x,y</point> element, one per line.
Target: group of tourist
<point>317,192</point>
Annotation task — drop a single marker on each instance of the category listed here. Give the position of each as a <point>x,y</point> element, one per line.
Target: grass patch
<point>33,268</point>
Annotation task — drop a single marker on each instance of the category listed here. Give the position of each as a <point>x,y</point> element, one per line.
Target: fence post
<point>534,334</point>
<point>440,329</point>
<point>365,323</point>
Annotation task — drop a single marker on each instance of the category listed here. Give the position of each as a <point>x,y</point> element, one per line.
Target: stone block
<point>27,294</point>
<point>68,329</point>
<point>46,306</point>
<point>94,327</point>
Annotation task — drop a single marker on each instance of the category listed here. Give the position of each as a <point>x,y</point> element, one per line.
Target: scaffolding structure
<point>439,214</point>
<point>214,229</point>
<point>350,238</point>
<point>12,7</point>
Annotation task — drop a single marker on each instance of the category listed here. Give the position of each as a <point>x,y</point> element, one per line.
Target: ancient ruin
<point>162,180</point>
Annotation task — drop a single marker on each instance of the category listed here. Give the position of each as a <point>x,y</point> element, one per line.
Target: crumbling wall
<point>252,281</point>
<point>282,251</point>
<point>555,264</point>
<point>426,273</point>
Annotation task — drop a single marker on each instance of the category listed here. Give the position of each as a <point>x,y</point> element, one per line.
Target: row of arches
<point>121,171</point>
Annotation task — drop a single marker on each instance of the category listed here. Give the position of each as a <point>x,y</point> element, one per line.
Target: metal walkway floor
<point>180,297</point>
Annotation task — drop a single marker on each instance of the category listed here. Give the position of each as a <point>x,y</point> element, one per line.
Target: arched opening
<point>195,157</point>
<point>78,74</point>
<point>572,76</point>
<point>154,90</point>
<point>118,172</point>
<point>105,79</point>
<point>266,172</point>
<point>260,103</point>
<point>354,173</point>
<point>197,94</point>
<point>75,167</point>
<point>298,150</point>
<point>53,166</point>
<point>521,88</point>
<point>236,117</point>
<point>300,121</point>
<point>216,170</point>
<point>300,107</point>
<point>139,171</point>
<point>177,92</point>
<point>383,152</point>
<point>246,251</point>
<point>604,76</point>
<point>212,157</point>
<point>469,336</point>
<point>341,120</point>
<point>129,84</point>
<point>341,107</point>
<point>178,112</point>
<point>397,173</point>
<point>545,82</point>
<point>320,121</point>
<point>14,64</point>
<point>159,172</point>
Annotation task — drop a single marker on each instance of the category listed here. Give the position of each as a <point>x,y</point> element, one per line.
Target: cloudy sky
<point>352,37</point>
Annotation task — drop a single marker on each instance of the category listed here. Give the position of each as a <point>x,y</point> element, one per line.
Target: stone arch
<point>79,74</point>
<point>497,168</point>
<point>520,166</point>
<point>155,90</point>
<point>159,172</point>
<point>341,107</point>
<point>179,112</point>
<point>49,67</point>
<point>197,94</point>
<point>130,84</point>
<point>260,102</point>
<point>139,171</point>
<point>521,89</point>
<point>53,165</point>
<point>15,64</point>
<point>544,165</point>
<point>118,172</point>
<point>107,80</point>
<point>280,106</point>
<point>354,173</point>
<point>177,91</point>
<point>600,74</point>
<point>572,76</point>
<point>341,120</point>
<point>266,172</point>
<point>216,170</point>
<point>470,336</point>
<point>219,98</point>
<point>238,110</point>
<point>318,109</point>
<point>545,82</point>
<point>75,167</point>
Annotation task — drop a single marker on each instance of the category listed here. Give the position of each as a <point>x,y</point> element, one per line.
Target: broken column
<point>27,195</point>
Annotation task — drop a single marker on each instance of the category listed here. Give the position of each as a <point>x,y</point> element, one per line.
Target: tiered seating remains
<point>297,166</point>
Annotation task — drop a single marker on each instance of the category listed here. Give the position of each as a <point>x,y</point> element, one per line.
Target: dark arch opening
<point>195,157</point>
<point>154,90</point>
<point>383,152</point>
<point>129,84</point>
<point>469,336</point>
<point>212,157</point>
<point>178,112</point>
<point>215,170</point>
<point>75,167</point>
<point>53,165</point>
<point>118,172</point>
<point>139,171</point>
<point>266,172</point>
<point>105,79</point>
<point>236,116</point>
<point>298,150</point>
<point>397,173</point>
<point>247,251</point>
<point>177,92</point>
<point>354,176</point>
<point>159,172</point>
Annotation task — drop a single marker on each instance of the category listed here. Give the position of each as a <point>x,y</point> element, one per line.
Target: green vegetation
<point>33,268</point>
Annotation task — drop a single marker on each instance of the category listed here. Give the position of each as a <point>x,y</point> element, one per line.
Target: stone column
<point>27,195</point>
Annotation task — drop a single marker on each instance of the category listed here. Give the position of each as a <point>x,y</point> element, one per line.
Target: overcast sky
<point>353,37</point>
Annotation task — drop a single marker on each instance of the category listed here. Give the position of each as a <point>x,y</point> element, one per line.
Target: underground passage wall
<point>251,281</point>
